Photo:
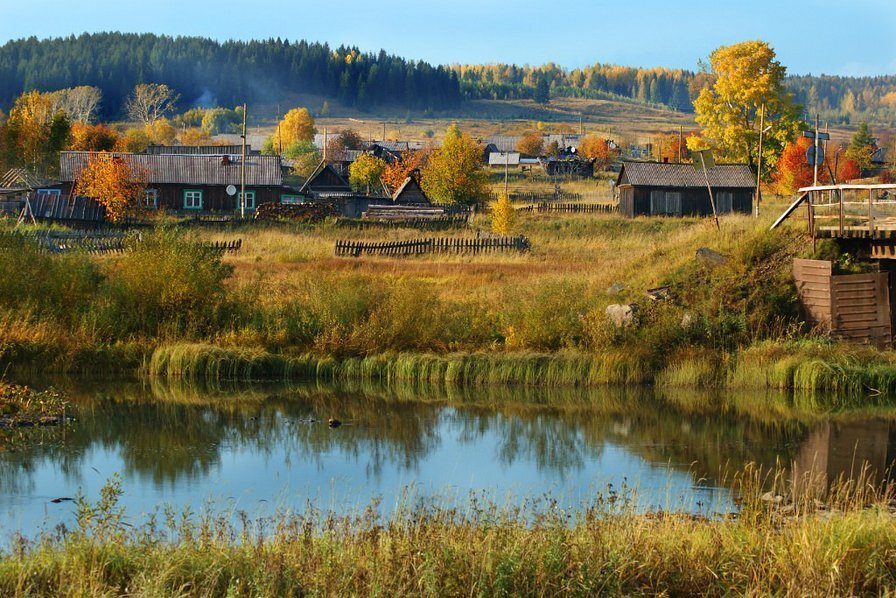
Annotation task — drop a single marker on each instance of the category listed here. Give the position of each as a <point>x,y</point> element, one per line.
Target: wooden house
<point>326,181</point>
<point>673,189</point>
<point>192,182</point>
<point>410,193</point>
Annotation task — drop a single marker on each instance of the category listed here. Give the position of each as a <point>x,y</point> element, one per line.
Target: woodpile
<point>402,212</point>
<point>301,212</point>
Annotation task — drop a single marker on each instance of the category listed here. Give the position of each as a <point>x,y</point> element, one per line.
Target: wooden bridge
<point>863,215</point>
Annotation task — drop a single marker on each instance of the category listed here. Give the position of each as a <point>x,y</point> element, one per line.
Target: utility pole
<point>680,141</point>
<point>243,169</point>
<point>759,158</point>
<point>279,137</point>
<point>506,162</point>
<point>815,161</point>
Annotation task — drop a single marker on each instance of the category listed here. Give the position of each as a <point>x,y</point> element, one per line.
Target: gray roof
<point>201,150</point>
<point>261,171</point>
<point>502,158</point>
<point>660,174</point>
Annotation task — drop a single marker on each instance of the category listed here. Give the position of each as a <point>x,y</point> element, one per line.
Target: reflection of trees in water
<point>168,433</point>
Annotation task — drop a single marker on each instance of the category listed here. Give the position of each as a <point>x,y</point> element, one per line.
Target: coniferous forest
<point>207,72</point>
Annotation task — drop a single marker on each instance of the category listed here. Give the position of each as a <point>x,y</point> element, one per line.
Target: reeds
<point>779,545</point>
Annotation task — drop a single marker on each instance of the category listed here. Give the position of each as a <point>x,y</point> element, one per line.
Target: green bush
<point>167,283</point>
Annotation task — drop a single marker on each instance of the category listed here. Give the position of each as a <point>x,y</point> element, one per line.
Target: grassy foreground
<point>847,547</point>
<point>285,307</point>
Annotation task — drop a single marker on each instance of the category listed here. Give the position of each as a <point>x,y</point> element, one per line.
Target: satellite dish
<point>231,190</point>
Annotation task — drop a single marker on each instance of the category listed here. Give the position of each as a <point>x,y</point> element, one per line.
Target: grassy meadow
<point>286,307</point>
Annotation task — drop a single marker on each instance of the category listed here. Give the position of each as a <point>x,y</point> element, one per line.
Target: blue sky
<point>854,37</point>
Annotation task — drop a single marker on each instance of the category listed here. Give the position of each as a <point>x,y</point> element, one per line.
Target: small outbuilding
<point>675,189</point>
<point>410,193</point>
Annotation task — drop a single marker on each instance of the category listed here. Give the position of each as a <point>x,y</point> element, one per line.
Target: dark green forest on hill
<point>207,72</point>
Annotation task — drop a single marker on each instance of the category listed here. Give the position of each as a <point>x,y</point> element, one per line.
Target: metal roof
<point>661,174</point>
<point>502,158</point>
<point>201,150</point>
<point>261,171</point>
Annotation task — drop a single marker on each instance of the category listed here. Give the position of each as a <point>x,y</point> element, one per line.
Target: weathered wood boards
<point>854,307</point>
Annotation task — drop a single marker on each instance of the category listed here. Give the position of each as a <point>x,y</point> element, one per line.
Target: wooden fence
<point>578,208</point>
<point>534,197</point>
<point>433,245</point>
<point>99,242</point>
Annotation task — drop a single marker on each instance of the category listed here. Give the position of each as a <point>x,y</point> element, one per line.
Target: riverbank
<point>822,375</point>
<point>844,547</point>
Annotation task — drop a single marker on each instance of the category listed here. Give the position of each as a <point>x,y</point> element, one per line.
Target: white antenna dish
<point>231,190</point>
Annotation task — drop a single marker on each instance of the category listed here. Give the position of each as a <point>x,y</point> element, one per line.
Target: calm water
<point>256,449</point>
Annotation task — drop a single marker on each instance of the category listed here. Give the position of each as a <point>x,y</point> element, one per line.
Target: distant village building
<point>667,189</point>
<point>191,182</point>
<point>410,193</point>
<point>500,159</point>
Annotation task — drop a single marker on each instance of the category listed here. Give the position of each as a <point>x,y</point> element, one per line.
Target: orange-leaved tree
<point>397,172</point>
<point>92,138</point>
<point>599,149</point>
<point>112,182</point>
<point>531,144</point>
<point>793,170</point>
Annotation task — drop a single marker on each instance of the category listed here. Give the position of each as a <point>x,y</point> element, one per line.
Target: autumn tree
<point>150,102</point>
<point>134,140</point>
<point>112,182</point>
<point>861,147</point>
<point>36,134</point>
<point>79,104</point>
<point>161,132</point>
<point>670,148</point>
<point>747,79</point>
<point>397,172</point>
<point>366,172</point>
<point>296,125</point>
<point>195,136</point>
<point>599,149</point>
<point>454,173</point>
<point>92,138</point>
<point>531,144</point>
<point>346,139</point>
<point>793,170</point>
<point>503,216</point>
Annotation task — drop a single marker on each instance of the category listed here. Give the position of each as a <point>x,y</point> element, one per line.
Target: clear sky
<point>842,37</point>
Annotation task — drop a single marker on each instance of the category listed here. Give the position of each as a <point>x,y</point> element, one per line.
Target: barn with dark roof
<point>667,189</point>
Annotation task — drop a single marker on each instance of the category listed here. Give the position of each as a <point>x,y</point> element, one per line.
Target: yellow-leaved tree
<point>747,86</point>
<point>503,216</point>
<point>297,125</point>
<point>454,172</point>
<point>366,172</point>
<point>112,182</point>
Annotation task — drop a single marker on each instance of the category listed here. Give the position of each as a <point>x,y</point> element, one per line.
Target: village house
<point>675,189</point>
<point>192,182</point>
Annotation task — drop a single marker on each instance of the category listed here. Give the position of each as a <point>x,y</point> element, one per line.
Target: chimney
<point>666,160</point>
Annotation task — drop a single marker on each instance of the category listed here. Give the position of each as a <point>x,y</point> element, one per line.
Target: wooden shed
<point>674,189</point>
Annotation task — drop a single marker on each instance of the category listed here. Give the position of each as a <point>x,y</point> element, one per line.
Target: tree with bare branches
<point>150,102</point>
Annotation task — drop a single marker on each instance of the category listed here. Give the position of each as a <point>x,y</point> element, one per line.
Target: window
<point>56,192</point>
<point>725,202</point>
<point>192,199</point>
<point>665,203</point>
<point>150,199</point>
<point>250,200</point>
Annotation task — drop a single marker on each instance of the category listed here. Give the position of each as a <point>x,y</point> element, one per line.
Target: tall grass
<point>844,547</point>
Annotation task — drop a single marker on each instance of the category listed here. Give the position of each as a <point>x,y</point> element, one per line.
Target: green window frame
<point>191,197</point>
<point>250,200</point>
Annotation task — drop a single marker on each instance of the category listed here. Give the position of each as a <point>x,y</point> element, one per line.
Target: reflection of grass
<point>432,548</point>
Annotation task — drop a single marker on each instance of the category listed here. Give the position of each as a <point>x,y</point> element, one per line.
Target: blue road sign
<point>810,155</point>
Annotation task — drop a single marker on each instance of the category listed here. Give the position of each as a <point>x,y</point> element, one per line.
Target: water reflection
<point>267,445</point>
